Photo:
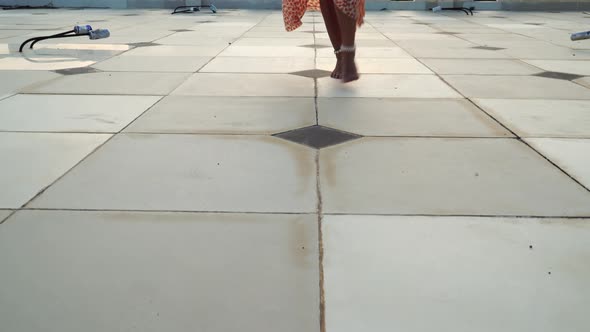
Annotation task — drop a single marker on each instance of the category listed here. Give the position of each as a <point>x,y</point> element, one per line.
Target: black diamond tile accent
<point>143,44</point>
<point>447,33</point>
<point>312,73</point>
<point>95,21</point>
<point>498,16</point>
<point>77,71</point>
<point>535,23</point>
<point>315,46</point>
<point>488,48</point>
<point>423,23</point>
<point>317,136</point>
<point>130,15</point>
<point>558,75</point>
<point>182,30</point>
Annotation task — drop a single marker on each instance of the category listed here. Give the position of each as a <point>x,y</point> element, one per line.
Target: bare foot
<point>337,73</point>
<point>349,71</point>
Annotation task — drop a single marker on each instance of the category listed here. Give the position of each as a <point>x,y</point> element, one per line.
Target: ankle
<point>347,49</point>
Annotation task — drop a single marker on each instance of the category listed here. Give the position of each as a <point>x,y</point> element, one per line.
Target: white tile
<point>480,67</point>
<point>191,173</point>
<point>388,86</point>
<point>428,51</point>
<point>4,214</point>
<point>71,113</point>
<point>12,81</point>
<point>303,40</point>
<point>585,81</point>
<point>268,51</point>
<point>446,177</point>
<point>121,83</point>
<point>258,65</point>
<point>252,115</point>
<point>176,50</point>
<point>42,63</point>
<point>368,52</point>
<point>516,87</point>
<point>187,64</point>
<point>379,66</point>
<point>542,117</point>
<point>245,85</point>
<point>571,155</point>
<point>407,117</point>
<point>578,67</point>
<point>159,271</point>
<point>418,274</point>
<point>32,161</point>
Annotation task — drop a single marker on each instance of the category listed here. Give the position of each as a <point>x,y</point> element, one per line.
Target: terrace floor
<point>201,172</point>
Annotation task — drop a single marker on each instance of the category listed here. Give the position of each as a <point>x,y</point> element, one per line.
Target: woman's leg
<point>331,19</point>
<point>347,32</point>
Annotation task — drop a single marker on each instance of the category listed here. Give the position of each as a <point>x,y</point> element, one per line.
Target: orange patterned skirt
<point>293,10</point>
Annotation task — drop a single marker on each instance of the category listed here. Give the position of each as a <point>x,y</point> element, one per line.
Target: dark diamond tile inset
<point>317,137</point>
<point>77,71</point>
<point>312,73</point>
<point>182,30</point>
<point>315,46</point>
<point>96,21</point>
<point>535,23</point>
<point>130,15</point>
<point>558,75</point>
<point>447,33</point>
<point>498,16</point>
<point>143,44</point>
<point>488,48</point>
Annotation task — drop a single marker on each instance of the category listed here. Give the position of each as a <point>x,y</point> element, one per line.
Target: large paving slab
<point>268,51</point>
<point>480,67</point>
<point>572,155</point>
<point>14,80</point>
<point>41,63</point>
<point>97,271</point>
<point>71,113</point>
<point>367,52</point>
<point>417,274</point>
<point>190,173</point>
<point>446,177</point>
<point>407,117</point>
<point>186,64</point>
<point>516,87</point>
<point>379,65</point>
<point>228,115</point>
<point>578,67</point>
<point>258,65</point>
<point>116,83</point>
<point>176,50</point>
<point>388,86</point>
<point>246,85</point>
<point>4,214</point>
<point>541,117</point>
<point>32,161</point>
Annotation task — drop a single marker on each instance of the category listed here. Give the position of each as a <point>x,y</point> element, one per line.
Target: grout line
<point>164,211</point>
<point>322,307</point>
<point>498,216</point>
<point>495,216</point>
<point>315,80</point>
<point>320,245</point>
